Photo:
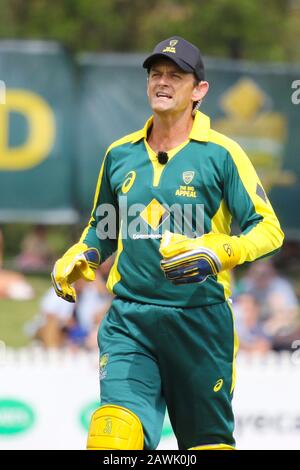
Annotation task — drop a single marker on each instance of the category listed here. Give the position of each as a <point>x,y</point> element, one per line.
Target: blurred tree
<point>238,29</point>
<point>248,29</point>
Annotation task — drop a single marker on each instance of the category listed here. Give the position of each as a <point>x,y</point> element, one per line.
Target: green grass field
<point>15,313</point>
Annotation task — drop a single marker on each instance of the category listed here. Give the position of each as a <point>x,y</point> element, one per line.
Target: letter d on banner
<point>41,130</point>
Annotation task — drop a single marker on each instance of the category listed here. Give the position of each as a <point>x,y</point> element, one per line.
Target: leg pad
<point>113,427</point>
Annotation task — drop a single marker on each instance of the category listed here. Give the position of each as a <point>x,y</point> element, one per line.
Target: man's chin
<point>162,108</point>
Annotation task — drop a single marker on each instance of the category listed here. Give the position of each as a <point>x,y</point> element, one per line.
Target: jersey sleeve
<point>261,234</point>
<point>102,229</point>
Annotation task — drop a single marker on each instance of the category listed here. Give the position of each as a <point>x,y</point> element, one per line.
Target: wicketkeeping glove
<point>79,261</point>
<point>190,260</point>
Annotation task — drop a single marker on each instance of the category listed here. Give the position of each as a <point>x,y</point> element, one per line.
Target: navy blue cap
<point>183,53</point>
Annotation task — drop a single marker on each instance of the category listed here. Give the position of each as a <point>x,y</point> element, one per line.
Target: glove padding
<point>192,260</point>
<point>79,261</point>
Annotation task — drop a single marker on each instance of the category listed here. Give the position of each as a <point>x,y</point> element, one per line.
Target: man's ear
<point>200,90</point>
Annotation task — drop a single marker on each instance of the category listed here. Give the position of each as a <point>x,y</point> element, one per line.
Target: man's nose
<point>163,79</point>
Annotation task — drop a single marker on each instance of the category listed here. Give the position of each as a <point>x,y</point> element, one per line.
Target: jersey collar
<point>200,129</point>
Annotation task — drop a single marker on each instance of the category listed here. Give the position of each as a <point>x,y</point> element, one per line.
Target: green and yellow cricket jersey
<point>209,178</point>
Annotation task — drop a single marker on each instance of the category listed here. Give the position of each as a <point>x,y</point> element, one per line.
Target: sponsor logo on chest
<point>187,190</point>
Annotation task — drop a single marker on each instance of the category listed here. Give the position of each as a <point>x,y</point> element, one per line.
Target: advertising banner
<point>36,133</point>
<point>47,398</point>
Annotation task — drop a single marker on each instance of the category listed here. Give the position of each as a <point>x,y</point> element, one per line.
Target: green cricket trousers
<point>153,357</point>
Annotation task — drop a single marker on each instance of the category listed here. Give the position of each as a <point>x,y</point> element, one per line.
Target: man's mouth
<point>162,94</point>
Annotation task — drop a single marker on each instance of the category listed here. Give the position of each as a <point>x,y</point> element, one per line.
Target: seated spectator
<point>93,301</point>
<point>13,285</point>
<point>277,300</point>
<point>288,259</point>
<point>262,280</point>
<point>250,328</point>
<point>36,254</point>
<point>282,323</point>
<point>62,323</point>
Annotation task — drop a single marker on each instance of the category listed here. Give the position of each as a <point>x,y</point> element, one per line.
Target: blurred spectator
<point>93,301</point>
<point>283,322</point>
<point>279,311</point>
<point>250,328</point>
<point>262,280</point>
<point>62,323</point>
<point>13,285</point>
<point>36,254</point>
<point>288,258</point>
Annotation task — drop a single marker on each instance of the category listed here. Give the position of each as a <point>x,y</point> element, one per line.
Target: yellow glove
<point>79,261</point>
<point>187,260</point>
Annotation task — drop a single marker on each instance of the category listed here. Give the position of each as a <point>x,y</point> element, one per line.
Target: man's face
<point>169,88</point>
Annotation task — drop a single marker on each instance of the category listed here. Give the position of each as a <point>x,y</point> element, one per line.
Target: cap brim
<point>181,64</point>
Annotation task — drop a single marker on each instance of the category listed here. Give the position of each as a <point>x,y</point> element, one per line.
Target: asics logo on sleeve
<point>130,178</point>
